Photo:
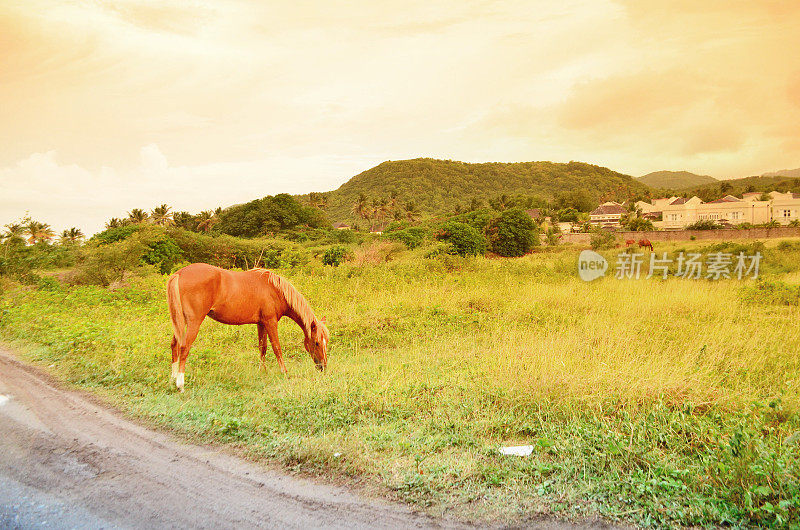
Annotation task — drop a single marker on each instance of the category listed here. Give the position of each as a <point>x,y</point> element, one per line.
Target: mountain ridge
<point>438,186</point>
<point>788,173</point>
<point>675,180</point>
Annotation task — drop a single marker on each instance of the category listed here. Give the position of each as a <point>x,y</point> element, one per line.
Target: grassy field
<point>659,402</point>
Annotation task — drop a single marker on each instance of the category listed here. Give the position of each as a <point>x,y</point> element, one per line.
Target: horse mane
<point>294,299</point>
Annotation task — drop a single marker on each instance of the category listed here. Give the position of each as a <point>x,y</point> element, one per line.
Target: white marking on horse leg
<point>179,381</point>
<point>174,375</point>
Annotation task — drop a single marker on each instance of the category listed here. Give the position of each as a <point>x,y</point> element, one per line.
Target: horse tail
<point>176,310</point>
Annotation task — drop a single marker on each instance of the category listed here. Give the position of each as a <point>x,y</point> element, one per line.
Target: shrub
<point>334,256</point>
<point>463,239</point>
<point>163,253</point>
<point>227,252</point>
<point>771,293</point>
<point>377,252</point>
<point>705,224</point>
<point>107,264</point>
<point>513,233</point>
<point>48,283</point>
<point>602,239</point>
<point>395,226</point>
<point>342,236</point>
<point>552,235</point>
<point>269,214</point>
<point>567,215</point>
<point>112,235</point>
<point>411,237</point>
<point>477,219</point>
<point>639,224</point>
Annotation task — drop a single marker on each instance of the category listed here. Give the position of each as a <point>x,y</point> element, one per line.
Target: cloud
<point>254,93</point>
<point>66,195</point>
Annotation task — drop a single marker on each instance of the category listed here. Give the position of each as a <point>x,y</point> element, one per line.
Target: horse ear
<point>324,321</point>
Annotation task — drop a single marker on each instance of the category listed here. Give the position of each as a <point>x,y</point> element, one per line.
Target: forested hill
<point>744,185</point>
<point>675,180</point>
<point>437,186</point>
<point>789,173</point>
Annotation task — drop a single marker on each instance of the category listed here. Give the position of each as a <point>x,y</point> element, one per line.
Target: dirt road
<point>66,462</point>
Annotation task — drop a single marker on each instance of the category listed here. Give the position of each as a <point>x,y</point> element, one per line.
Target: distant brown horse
<point>629,242</point>
<point>257,296</point>
<point>645,243</point>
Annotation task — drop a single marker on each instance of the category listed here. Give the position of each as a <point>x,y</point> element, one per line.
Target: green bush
<point>48,283</point>
<point>477,219</point>
<point>19,261</point>
<point>164,254</point>
<point>107,264</point>
<point>342,236</point>
<point>463,239</point>
<point>334,256</point>
<point>229,252</point>
<point>513,233</point>
<point>639,224</point>
<point>602,239</point>
<point>411,237</point>
<point>705,224</point>
<point>269,215</point>
<point>112,235</point>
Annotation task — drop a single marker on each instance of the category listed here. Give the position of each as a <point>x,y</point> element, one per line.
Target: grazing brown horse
<point>257,296</point>
<point>629,242</point>
<point>645,243</point>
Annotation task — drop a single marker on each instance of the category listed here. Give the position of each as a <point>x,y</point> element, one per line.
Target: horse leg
<point>175,356</point>
<point>192,328</point>
<point>263,339</point>
<point>272,330</point>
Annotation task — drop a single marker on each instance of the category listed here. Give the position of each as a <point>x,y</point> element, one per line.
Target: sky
<point>111,105</point>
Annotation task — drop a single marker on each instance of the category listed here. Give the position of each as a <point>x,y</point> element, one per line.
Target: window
<point>787,213</point>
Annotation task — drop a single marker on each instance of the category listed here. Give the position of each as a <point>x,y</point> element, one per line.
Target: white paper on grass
<point>517,450</point>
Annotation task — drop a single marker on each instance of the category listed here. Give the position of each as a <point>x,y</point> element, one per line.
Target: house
<point>683,212</point>
<point>656,207</point>
<point>341,226</point>
<point>607,214</point>
<point>785,207</point>
<point>535,214</point>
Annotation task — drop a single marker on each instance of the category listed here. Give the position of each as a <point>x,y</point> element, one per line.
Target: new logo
<point>591,265</point>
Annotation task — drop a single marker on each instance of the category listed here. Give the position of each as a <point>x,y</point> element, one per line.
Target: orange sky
<point>107,106</point>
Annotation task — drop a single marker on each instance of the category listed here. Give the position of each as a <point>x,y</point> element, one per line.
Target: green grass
<point>662,403</point>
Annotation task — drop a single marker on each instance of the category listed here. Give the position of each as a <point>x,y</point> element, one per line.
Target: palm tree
<point>115,222</point>
<point>14,234</point>
<point>137,216</point>
<point>318,200</point>
<point>380,207</point>
<point>393,201</point>
<point>71,236</point>
<point>161,215</point>
<point>207,220</point>
<point>38,232</point>
<point>412,211</point>
<point>361,207</point>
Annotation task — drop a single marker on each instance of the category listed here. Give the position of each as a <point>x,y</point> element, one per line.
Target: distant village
<point>675,213</point>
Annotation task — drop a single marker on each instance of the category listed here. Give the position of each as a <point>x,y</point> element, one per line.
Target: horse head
<point>316,343</point>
